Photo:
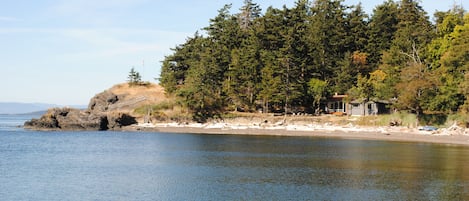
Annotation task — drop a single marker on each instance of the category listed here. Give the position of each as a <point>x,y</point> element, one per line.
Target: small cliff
<point>108,110</point>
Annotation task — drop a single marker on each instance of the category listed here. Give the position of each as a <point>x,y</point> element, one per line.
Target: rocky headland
<point>114,109</point>
<point>111,109</point>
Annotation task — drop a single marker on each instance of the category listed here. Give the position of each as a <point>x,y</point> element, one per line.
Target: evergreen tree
<point>352,66</point>
<point>134,77</point>
<point>249,13</point>
<point>277,60</point>
<point>243,79</point>
<point>271,32</point>
<point>297,48</point>
<point>414,32</point>
<point>243,75</point>
<point>382,27</point>
<point>408,72</point>
<point>201,92</point>
<point>271,93</point>
<point>175,67</point>
<point>327,30</point>
<point>357,29</point>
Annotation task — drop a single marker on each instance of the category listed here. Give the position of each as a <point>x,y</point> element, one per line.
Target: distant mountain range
<point>23,108</point>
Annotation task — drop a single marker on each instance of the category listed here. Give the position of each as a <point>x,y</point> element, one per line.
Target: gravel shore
<point>402,134</point>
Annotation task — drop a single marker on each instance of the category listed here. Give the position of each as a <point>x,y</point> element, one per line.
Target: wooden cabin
<point>339,105</point>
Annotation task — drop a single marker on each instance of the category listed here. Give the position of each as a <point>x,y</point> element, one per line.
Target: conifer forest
<point>283,59</point>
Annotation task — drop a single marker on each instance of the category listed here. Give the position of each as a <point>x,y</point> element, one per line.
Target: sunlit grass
<point>401,118</point>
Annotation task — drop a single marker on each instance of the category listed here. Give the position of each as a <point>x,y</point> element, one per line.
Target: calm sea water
<point>162,166</point>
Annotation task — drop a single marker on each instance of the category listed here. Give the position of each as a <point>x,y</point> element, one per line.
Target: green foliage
<point>455,66</point>
<point>433,119</point>
<point>317,89</point>
<point>274,60</point>
<point>382,27</point>
<point>134,77</point>
<point>166,105</point>
<point>175,67</point>
<point>415,88</point>
<point>328,26</point>
<point>460,118</point>
<point>403,118</point>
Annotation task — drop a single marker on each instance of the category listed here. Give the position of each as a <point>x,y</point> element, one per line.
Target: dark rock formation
<point>102,101</point>
<point>119,120</point>
<point>68,119</point>
<point>98,116</point>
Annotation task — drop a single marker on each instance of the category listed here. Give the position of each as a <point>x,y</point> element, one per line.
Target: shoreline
<point>396,134</point>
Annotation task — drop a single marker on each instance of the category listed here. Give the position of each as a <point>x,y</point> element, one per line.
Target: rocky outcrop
<point>69,119</point>
<point>101,102</point>
<point>102,114</point>
<point>118,120</point>
<point>112,109</point>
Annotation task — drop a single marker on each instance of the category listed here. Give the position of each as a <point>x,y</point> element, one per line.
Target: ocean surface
<point>162,166</point>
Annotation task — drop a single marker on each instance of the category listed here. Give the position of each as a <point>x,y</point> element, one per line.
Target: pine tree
<point>249,13</point>
<point>328,29</point>
<point>202,92</point>
<point>243,75</point>
<point>175,67</point>
<point>382,27</point>
<point>247,60</point>
<point>298,48</point>
<point>134,77</point>
<point>406,62</point>
<point>271,92</point>
<point>270,35</point>
<point>357,29</point>
<point>413,33</point>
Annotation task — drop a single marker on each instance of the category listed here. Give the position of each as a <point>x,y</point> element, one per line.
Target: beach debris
<point>428,128</point>
<point>452,130</point>
<point>383,131</point>
<point>280,123</point>
<point>395,123</point>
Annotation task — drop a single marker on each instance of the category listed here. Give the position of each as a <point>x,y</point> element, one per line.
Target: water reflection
<point>158,166</point>
<point>351,169</point>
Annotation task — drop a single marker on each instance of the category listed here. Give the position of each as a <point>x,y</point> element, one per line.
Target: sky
<point>66,51</point>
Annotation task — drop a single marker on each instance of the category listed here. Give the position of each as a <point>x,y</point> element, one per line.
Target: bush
<point>460,119</point>
<point>433,119</point>
<point>166,105</point>
<point>402,118</point>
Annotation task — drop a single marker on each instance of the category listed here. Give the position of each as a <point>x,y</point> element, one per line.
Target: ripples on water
<point>159,166</point>
<point>13,122</point>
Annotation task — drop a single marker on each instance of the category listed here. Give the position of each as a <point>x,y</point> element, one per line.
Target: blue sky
<point>66,51</point>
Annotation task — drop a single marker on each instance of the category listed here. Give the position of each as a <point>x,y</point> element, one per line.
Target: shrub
<point>402,118</point>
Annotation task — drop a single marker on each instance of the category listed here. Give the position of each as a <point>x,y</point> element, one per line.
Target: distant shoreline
<point>398,134</point>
